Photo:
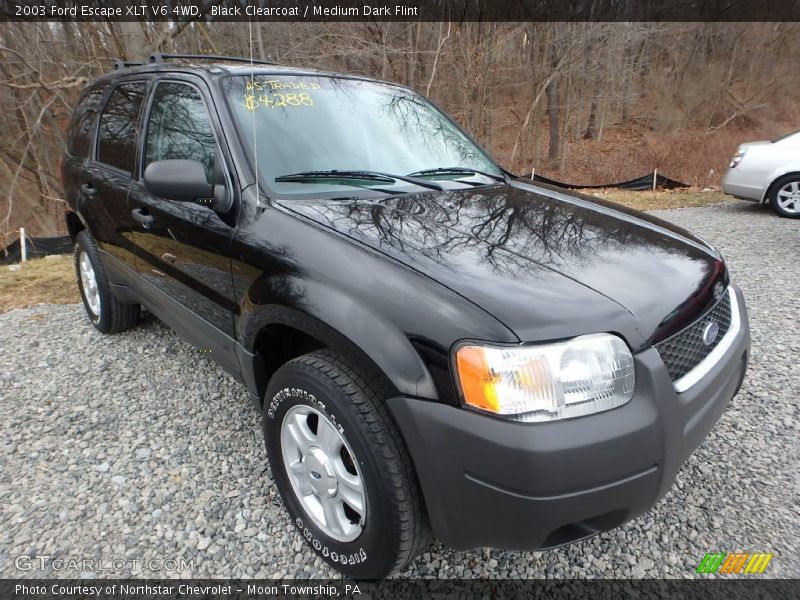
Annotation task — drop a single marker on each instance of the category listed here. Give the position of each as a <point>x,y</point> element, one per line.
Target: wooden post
<point>655,178</point>
<point>22,245</point>
<point>533,172</point>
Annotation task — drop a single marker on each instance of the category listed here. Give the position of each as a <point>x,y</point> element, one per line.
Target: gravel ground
<point>137,446</point>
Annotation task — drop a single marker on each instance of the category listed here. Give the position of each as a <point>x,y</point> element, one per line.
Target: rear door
<point>80,141</point>
<point>102,184</point>
<point>183,248</point>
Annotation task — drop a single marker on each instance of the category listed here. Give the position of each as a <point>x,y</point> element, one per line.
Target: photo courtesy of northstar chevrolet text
<point>319,299</point>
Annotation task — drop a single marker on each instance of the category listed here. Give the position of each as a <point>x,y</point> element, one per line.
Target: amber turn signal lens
<point>477,383</point>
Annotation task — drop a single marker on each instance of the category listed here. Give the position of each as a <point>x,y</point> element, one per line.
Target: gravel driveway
<point>136,446</point>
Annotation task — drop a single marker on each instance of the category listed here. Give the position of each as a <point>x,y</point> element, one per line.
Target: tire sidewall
<point>85,243</point>
<point>774,197</point>
<point>371,554</point>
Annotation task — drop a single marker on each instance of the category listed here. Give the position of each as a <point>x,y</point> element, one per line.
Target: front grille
<point>685,350</point>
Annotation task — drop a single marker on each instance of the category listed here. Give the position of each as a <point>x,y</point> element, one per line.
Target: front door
<point>182,248</point>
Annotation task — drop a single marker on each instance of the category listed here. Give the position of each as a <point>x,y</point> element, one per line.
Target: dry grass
<point>660,200</point>
<point>40,280</point>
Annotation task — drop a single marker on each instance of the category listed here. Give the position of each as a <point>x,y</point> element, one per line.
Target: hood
<point>546,263</point>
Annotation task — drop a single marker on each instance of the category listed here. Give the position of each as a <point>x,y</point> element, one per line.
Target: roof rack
<point>158,57</point>
<point>122,64</point>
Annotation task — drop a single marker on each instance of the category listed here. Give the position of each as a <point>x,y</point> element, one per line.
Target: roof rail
<point>158,57</point>
<point>122,64</point>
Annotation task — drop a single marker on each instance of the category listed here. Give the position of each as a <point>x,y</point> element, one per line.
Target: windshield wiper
<point>455,171</point>
<point>377,176</point>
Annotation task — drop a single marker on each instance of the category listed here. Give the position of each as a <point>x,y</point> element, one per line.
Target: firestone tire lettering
<point>351,559</point>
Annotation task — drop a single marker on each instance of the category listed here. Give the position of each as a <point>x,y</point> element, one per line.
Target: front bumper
<point>528,486</point>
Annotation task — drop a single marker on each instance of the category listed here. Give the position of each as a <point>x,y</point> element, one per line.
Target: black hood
<point>539,260</point>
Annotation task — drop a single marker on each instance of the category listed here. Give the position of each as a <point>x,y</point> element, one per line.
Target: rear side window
<point>116,138</point>
<point>180,127</point>
<point>81,129</point>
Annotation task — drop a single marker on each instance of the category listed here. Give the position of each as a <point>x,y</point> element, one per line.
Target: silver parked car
<point>767,172</point>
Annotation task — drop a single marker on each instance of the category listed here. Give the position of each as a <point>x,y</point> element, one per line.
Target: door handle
<point>140,216</point>
<point>89,189</point>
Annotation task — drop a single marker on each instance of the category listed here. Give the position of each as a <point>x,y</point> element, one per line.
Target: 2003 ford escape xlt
<point>436,346</point>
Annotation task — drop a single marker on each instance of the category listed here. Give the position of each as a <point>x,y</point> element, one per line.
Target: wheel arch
<point>75,224</point>
<point>775,179</point>
<point>273,335</point>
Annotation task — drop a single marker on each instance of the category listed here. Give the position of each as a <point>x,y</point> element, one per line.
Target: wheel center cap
<point>320,472</point>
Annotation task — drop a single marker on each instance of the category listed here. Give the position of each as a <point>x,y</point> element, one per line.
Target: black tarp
<point>37,247</point>
<point>640,184</point>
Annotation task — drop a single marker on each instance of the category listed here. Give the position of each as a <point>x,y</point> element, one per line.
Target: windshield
<point>315,123</point>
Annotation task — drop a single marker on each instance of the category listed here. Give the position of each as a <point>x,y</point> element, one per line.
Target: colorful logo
<point>734,562</point>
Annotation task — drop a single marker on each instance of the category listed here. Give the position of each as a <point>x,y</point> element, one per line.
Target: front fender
<point>340,322</point>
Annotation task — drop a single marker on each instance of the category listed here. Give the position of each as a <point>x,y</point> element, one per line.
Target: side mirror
<point>181,180</point>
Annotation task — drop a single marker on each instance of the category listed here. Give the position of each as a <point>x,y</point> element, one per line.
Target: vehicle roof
<point>213,69</point>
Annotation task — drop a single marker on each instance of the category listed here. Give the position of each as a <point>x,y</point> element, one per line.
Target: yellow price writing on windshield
<point>274,84</point>
<point>253,102</point>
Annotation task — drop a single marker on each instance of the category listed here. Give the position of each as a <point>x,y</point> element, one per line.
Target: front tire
<point>341,467</point>
<point>785,197</point>
<point>106,313</point>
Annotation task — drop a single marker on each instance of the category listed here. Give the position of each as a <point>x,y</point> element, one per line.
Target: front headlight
<point>584,375</point>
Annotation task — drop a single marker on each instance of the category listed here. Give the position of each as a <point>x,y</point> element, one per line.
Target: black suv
<point>435,345</point>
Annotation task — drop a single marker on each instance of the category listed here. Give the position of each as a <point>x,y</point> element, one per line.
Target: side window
<point>116,139</point>
<point>179,127</point>
<point>81,129</point>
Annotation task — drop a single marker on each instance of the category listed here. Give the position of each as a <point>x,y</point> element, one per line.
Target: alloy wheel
<point>323,472</point>
<point>89,283</point>
<point>788,197</point>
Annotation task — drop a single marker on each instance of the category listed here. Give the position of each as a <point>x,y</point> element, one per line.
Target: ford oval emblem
<point>710,333</point>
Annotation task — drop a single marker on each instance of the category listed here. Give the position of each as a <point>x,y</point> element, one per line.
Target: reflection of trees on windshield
<point>417,120</point>
<point>346,124</point>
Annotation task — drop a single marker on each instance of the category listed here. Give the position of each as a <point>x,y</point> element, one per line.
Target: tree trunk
<point>260,42</point>
<point>133,40</point>
<point>553,118</point>
<point>411,61</point>
<point>591,127</point>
